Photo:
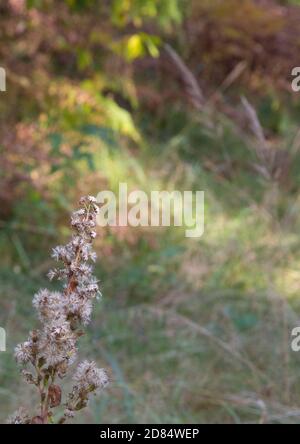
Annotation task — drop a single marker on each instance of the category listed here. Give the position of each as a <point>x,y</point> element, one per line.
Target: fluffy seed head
<point>88,375</point>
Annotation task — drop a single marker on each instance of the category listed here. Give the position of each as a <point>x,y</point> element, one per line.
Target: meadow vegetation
<point>163,95</point>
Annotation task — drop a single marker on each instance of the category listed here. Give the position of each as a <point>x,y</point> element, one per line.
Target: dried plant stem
<point>51,351</point>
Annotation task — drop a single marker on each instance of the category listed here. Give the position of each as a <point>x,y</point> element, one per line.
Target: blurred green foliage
<point>191,331</point>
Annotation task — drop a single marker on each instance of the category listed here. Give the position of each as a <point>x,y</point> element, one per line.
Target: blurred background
<point>161,94</point>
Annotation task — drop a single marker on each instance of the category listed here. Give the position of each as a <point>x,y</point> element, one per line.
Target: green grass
<point>191,331</point>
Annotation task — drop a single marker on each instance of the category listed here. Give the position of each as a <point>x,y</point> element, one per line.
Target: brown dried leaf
<point>37,420</point>
<point>54,393</point>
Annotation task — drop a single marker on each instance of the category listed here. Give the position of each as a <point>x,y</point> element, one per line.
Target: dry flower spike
<point>49,352</point>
